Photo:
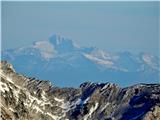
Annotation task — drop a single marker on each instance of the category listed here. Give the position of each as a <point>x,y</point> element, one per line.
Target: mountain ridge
<point>28,98</point>
<point>81,63</point>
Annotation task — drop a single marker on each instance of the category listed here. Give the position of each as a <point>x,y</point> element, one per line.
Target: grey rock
<point>27,98</point>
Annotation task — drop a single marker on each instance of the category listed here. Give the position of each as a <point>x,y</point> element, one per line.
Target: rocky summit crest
<point>27,98</point>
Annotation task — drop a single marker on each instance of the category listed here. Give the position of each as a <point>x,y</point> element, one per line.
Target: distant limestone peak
<point>62,44</point>
<point>58,40</point>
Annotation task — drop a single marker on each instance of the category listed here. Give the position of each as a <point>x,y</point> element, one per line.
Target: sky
<point>112,26</point>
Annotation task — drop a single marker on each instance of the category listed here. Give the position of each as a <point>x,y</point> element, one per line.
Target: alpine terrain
<point>64,63</point>
<point>27,98</point>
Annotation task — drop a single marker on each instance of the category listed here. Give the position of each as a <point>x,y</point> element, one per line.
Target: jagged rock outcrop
<point>26,98</point>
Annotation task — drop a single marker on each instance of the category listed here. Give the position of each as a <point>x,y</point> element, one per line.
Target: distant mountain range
<point>58,59</point>
<point>27,98</point>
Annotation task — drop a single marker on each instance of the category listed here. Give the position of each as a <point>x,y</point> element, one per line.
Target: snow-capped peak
<point>56,39</point>
<point>46,49</point>
<point>59,40</point>
<point>61,44</point>
<point>150,60</point>
<point>100,54</point>
<point>147,58</point>
<point>98,60</point>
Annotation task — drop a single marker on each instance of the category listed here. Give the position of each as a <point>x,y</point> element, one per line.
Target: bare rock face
<point>26,98</point>
<point>153,114</point>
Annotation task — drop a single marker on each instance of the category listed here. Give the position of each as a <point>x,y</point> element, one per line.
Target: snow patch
<point>43,96</point>
<point>3,87</point>
<point>106,86</point>
<point>11,109</point>
<point>148,59</point>
<point>37,109</point>
<point>5,77</point>
<point>85,101</point>
<point>46,49</point>
<point>58,100</point>
<point>53,116</point>
<point>105,106</point>
<point>93,108</point>
<point>98,60</point>
<point>16,94</point>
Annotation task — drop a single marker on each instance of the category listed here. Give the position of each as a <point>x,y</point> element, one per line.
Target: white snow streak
<point>93,108</point>
<point>98,60</point>
<point>46,49</point>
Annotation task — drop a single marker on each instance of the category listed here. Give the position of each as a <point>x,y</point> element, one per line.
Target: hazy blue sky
<point>113,26</point>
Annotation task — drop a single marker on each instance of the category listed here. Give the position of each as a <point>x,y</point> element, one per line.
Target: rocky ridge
<point>27,98</point>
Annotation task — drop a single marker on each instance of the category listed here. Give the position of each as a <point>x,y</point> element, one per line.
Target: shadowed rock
<point>27,98</point>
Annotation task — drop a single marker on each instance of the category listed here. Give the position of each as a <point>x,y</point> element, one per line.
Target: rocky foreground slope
<point>26,98</point>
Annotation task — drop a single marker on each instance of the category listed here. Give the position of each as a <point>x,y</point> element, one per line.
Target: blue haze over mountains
<point>66,64</point>
<point>112,26</point>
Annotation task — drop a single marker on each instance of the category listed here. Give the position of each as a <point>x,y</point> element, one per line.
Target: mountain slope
<point>74,64</point>
<point>26,98</point>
